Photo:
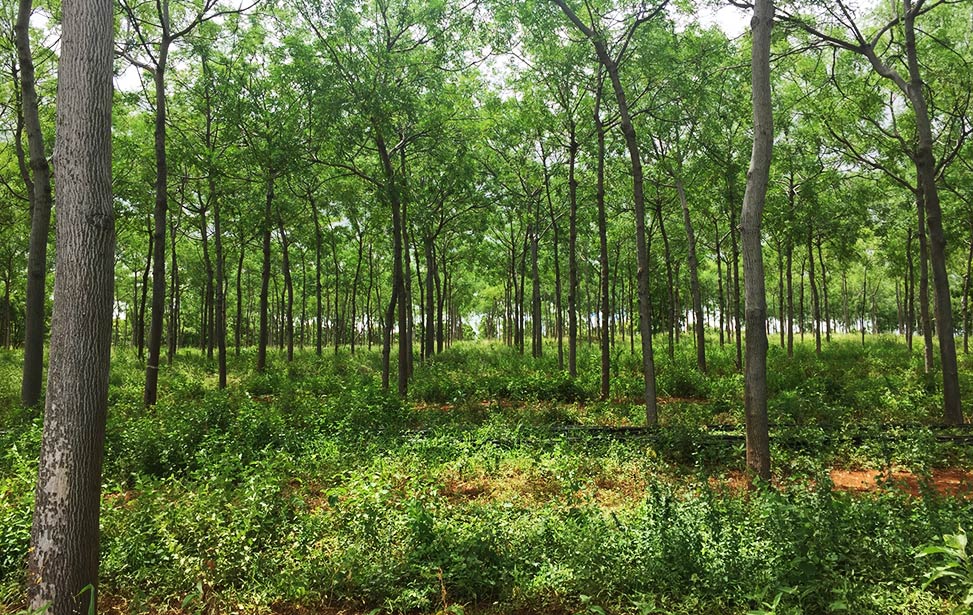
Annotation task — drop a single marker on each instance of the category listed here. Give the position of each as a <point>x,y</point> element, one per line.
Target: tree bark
<point>159,218</point>
<point>398,274</point>
<point>354,291</point>
<point>429,329</point>
<point>288,308</point>
<point>207,331</point>
<point>824,292</point>
<point>924,317</point>
<point>671,316</point>
<point>790,298</point>
<point>780,295</point>
<point>238,325</point>
<point>537,341</point>
<point>220,277</point>
<point>719,282</point>
<point>966,293</point>
<point>694,288</point>
<point>63,557</point>
<point>737,298</point>
<point>910,291</point>
<point>556,229</point>
<point>140,334</point>
<point>572,254</point>
<point>638,189</point>
<point>815,302</point>
<point>173,295</point>
<point>755,377</point>
<point>35,318</point>
<point>265,277</point>
<point>602,247</point>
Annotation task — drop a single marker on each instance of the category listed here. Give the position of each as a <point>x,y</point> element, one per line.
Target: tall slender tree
<point>35,320</point>
<point>610,59</point>
<point>755,370</point>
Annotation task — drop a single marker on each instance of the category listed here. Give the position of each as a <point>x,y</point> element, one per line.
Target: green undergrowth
<point>482,491</point>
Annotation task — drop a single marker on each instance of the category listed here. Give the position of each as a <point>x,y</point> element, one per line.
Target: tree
<point>911,85</point>
<point>63,559</point>
<point>39,186</point>
<point>755,370</point>
<point>610,60</point>
<point>156,61</point>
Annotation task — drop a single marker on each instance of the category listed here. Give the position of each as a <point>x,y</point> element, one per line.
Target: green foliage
<point>309,484</point>
<point>956,568</point>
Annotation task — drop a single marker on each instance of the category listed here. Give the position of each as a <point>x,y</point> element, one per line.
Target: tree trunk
<point>602,246</point>
<point>572,253</point>
<point>910,293</point>
<point>288,308</point>
<point>429,329</point>
<point>440,298</point>
<point>755,377</point>
<point>63,555</point>
<point>368,299</point>
<point>537,341</point>
<point>670,281</point>
<point>790,298</point>
<point>966,293</point>
<point>318,241</point>
<point>387,339</point>
<point>208,329</point>
<point>238,332</point>
<point>5,323</point>
<point>159,217</point>
<point>172,337</point>
<point>800,301</point>
<point>719,282</point>
<point>824,292</point>
<point>924,316</point>
<point>265,277</point>
<point>641,247</point>
<point>140,337</point>
<point>926,168</point>
<point>780,294</point>
<point>556,229</point>
<point>220,277</point>
<point>737,297</point>
<point>694,289</point>
<point>35,317</point>
<point>354,291</point>
<point>815,303</point>
<point>398,274</point>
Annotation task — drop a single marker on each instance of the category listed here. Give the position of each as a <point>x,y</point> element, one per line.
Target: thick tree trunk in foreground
<point>63,558</point>
<point>40,220</point>
<point>755,376</point>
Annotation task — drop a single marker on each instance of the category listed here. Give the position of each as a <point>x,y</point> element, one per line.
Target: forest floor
<point>501,485</point>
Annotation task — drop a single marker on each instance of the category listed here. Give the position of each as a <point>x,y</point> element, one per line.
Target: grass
<point>308,487</point>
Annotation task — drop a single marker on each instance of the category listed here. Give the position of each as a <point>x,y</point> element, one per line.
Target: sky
<point>730,19</point>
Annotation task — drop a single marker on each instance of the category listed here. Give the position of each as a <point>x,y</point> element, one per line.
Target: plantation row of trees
<point>382,173</point>
<point>284,174</point>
